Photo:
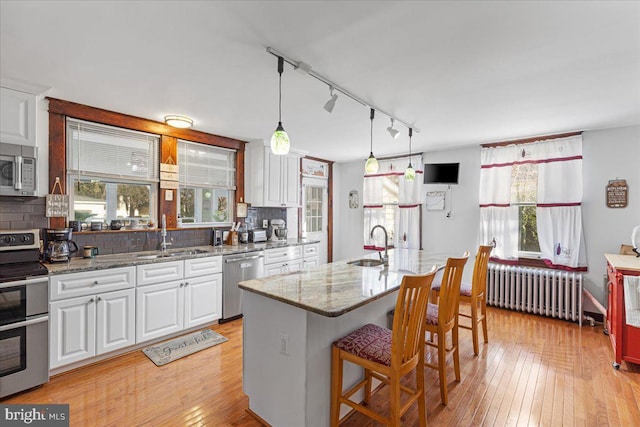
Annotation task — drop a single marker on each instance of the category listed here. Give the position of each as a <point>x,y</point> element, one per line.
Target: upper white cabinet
<point>272,180</point>
<point>17,117</point>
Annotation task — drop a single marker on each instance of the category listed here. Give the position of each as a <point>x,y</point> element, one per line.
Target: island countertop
<point>334,289</point>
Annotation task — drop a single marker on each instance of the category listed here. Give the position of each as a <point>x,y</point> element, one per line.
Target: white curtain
<point>406,208</point>
<point>498,219</point>
<point>558,198</point>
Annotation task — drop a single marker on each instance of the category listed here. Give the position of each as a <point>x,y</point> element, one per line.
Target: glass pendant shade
<point>280,141</point>
<point>371,166</point>
<point>409,173</point>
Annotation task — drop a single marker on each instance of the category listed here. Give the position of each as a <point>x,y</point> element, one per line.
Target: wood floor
<point>534,371</point>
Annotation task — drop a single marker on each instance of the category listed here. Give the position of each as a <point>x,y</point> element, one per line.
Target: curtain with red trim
<point>377,189</point>
<point>557,163</point>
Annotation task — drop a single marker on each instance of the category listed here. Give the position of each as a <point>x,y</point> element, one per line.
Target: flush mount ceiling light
<point>410,173</point>
<point>371,166</point>
<point>280,140</point>
<point>331,103</point>
<point>393,132</point>
<point>182,122</point>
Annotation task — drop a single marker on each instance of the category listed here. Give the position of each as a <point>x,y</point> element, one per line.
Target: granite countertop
<point>102,262</point>
<point>339,287</point>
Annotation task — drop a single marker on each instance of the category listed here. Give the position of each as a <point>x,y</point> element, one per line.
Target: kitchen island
<point>290,322</point>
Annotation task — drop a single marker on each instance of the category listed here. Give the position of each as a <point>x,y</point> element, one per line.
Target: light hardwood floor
<point>534,371</point>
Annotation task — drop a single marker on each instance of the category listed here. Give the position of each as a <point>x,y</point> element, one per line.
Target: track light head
<point>393,132</point>
<point>331,103</point>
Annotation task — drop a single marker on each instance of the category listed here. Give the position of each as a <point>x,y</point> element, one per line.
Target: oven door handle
<point>24,323</point>
<point>23,282</point>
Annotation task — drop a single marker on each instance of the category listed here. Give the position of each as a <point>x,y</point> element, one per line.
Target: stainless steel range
<point>24,312</point>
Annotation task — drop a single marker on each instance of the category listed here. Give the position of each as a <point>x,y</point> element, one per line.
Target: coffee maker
<point>58,245</point>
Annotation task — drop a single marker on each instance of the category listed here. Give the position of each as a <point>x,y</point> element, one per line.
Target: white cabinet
<point>177,295</point>
<point>272,180</point>
<point>90,325</point>
<point>310,255</point>
<point>90,282</point>
<point>282,260</point>
<point>17,117</point>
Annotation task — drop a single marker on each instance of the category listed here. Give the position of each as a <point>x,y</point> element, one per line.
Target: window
<point>207,184</point>
<point>112,172</point>
<point>524,184</point>
<point>314,199</point>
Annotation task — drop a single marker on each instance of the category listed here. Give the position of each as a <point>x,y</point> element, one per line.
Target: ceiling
<point>463,73</point>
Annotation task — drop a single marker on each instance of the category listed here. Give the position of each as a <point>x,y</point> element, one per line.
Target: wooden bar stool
<point>474,294</point>
<point>387,355</point>
<point>443,317</point>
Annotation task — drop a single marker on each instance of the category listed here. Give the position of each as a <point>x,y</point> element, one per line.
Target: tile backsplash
<point>22,213</point>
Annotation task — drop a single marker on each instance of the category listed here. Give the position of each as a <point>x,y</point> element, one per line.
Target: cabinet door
<point>310,262</point>
<point>159,310</point>
<point>273,172</point>
<point>196,267</point>
<point>17,117</point>
<point>115,321</point>
<point>273,269</point>
<point>294,266</point>
<point>291,181</point>
<point>151,274</point>
<point>202,300</point>
<point>72,330</point>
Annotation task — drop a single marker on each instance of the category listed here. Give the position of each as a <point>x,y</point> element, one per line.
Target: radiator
<point>551,293</point>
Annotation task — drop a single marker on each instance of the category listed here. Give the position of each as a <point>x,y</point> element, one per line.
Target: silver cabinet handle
<point>11,326</point>
<point>92,300</point>
<point>181,285</point>
<point>98,299</point>
<point>186,283</point>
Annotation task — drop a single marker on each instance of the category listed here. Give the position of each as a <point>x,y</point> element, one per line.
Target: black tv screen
<point>441,173</point>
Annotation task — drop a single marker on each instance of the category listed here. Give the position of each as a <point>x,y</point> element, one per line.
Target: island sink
<point>366,262</point>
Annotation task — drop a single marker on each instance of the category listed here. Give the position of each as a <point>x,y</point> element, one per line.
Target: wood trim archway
<point>329,208</point>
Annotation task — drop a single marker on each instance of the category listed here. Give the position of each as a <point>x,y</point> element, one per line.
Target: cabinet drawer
<point>288,253</point>
<point>311,250</point>
<point>90,282</point>
<point>202,266</point>
<point>148,274</point>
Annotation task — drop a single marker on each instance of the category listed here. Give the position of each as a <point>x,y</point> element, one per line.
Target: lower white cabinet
<point>282,260</point>
<point>170,306</point>
<point>91,325</point>
<point>310,255</point>
<point>159,310</point>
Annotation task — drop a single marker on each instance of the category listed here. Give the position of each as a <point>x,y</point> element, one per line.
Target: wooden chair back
<point>409,318</point>
<point>450,291</point>
<point>479,281</point>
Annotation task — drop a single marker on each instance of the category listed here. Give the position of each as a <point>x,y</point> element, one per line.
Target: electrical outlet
<point>284,344</point>
<point>265,223</point>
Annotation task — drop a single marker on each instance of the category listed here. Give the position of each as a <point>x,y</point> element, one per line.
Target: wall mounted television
<point>441,173</point>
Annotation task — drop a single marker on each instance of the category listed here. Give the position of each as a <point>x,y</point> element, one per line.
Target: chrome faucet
<point>384,258</point>
<point>163,233</point>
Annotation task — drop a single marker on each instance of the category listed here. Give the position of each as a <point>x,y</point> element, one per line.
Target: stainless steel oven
<point>17,170</point>
<point>24,313</point>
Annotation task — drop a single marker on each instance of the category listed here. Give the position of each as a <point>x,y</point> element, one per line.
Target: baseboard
<point>598,317</point>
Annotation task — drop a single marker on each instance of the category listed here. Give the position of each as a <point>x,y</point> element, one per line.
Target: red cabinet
<point>625,339</point>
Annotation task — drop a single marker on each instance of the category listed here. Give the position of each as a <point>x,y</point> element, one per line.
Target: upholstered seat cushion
<point>371,342</point>
<point>465,288</point>
<point>432,314</point>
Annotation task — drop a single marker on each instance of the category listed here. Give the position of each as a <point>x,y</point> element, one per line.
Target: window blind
<point>101,150</point>
<point>203,165</point>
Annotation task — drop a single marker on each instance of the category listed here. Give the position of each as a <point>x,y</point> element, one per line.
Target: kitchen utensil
<point>89,251</point>
<point>96,225</point>
<point>116,224</point>
<point>75,225</point>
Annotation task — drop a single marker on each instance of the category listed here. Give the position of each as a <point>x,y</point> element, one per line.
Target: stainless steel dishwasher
<point>235,269</point>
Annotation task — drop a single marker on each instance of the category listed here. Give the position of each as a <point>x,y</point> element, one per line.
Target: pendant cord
<point>280,70</point>
<point>371,139</point>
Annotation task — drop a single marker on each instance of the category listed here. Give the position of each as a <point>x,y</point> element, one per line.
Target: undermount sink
<point>365,262</point>
<point>185,252</point>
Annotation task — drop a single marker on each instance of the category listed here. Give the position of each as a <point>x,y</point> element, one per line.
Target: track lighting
<point>410,173</point>
<point>393,132</point>
<point>175,121</point>
<point>371,166</point>
<point>331,103</point>
<point>280,140</point>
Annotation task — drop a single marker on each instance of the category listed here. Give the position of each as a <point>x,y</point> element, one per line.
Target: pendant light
<point>410,173</point>
<point>371,166</point>
<point>280,139</point>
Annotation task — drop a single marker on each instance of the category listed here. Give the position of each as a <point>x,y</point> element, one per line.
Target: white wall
<point>608,154</point>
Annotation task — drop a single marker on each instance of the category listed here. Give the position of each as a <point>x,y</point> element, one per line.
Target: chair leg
<point>484,321</point>
<point>474,326</point>
<point>442,366</point>
<point>367,387</point>
<point>394,400</point>
<point>456,352</point>
<point>336,386</point>
<point>420,389</point>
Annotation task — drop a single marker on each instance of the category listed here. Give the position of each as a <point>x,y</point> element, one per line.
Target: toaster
<point>258,235</point>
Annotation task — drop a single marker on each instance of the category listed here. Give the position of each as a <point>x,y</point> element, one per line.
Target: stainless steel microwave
<point>17,170</point>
